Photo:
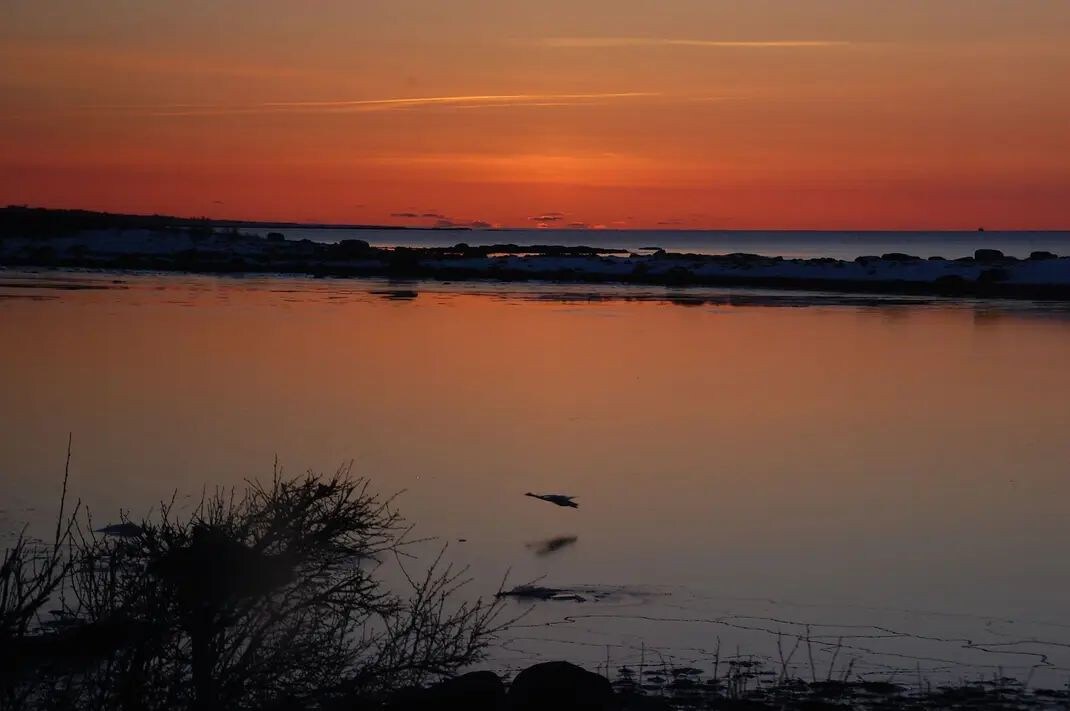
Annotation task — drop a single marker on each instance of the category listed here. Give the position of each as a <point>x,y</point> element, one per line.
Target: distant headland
<point>40,220</point>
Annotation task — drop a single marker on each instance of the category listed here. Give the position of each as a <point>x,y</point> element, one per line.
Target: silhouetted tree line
<point>264,598</point>
<point>46,222</point>
<point>25,221</point>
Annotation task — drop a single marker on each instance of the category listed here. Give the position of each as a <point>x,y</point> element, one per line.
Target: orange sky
<point>622,113</point>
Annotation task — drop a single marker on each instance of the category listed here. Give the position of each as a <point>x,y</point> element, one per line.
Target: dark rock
<point>937,259</point>
<point>475,691</point>
<point>559,686</point>
<point>276,237</point>
<point>830,688</point>
<point>348,248</point>
<point>950,281</point>
<point>1041,255</point>
<point>635,702</point>
<point>742,705</point>
<point>412,698</point>
<point>818,705</point>
<point>44,253</point>
<point>988,255</point>
<point>883,688</point>
<point>679,275</point>
<point>991,276</point>
<point>900,257</point>
<point>746,257</point>
<point>867,258</point>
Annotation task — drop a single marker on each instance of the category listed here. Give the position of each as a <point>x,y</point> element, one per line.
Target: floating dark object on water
<point>559,499</point>
<point>537,592</point>
<point>397,293</point>
<point>122,530</point>
<point>552,545</point>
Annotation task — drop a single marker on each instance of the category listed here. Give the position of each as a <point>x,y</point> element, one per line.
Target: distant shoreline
<point>92,218</point>
<point>63,239</point>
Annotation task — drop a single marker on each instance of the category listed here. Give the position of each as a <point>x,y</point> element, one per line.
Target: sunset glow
<point>691,114</point>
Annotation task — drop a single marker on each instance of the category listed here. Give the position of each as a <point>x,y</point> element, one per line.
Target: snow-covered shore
<point>1040,270</point>
<point>987,273</point>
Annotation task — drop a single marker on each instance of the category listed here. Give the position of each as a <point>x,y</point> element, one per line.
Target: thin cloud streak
<point>607,42</point>
<point>478,101</point>
<point>516,104</point>
<point>474,99</point>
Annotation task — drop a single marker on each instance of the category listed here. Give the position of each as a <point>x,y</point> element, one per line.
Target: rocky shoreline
<point>206,249</point>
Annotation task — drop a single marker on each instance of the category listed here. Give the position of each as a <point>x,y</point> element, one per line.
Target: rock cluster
<point>549,686</point>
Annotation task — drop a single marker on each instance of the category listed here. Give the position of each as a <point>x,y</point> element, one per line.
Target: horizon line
<point>459,227</point>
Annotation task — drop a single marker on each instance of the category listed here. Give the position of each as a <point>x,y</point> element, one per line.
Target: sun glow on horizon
<point>819,115</point>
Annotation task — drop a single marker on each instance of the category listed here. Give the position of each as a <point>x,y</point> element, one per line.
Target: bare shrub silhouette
<point>265,597</point>
<point>31,575</point>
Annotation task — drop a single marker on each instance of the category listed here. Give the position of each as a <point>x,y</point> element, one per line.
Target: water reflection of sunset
<point>882,453</point>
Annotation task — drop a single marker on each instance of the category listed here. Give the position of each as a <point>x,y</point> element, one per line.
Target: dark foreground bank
<point>268,600</point>
<point>561,686</point>
<point>67,239</point>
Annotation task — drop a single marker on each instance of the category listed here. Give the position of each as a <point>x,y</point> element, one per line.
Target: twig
<point>836,653</point>
<point>810,653</point>
<point>63,496</point>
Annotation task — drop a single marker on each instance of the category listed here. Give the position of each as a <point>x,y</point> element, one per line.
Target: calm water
<point>841,245</point>
<point>894,477</point>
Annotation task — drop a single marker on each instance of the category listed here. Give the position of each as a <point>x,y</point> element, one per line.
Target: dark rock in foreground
<point>475,691</point>
<point>562,687</point>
